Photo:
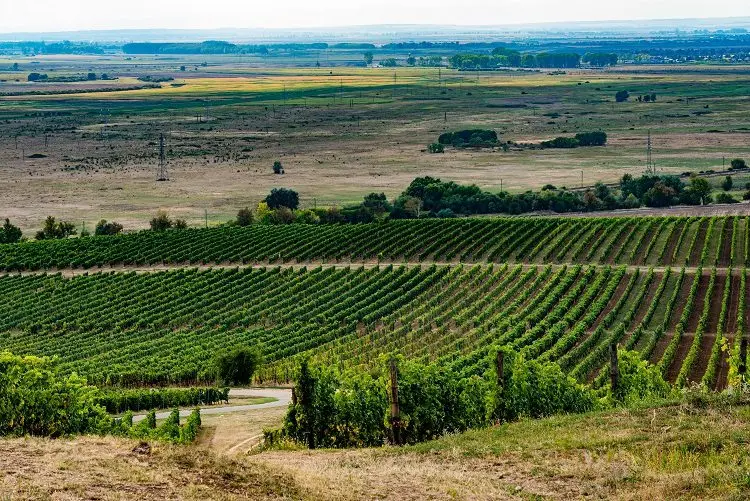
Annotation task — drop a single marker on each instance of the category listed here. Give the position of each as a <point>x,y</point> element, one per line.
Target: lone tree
<point>278,168</point>
<point>622,96</point>
<point>244,217</point>
<point>282,197</point>
<point>727,184</point>
<point>53,230</point>
<point>738,164</point>
<point>9,234</point>
<point>369,56</point>
<point>236,367</point>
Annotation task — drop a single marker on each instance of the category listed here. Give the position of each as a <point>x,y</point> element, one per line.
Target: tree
<point>236,367</point>
<point>278,168</point>
<point>377,204</point>
<point>622,96</point>
<point>411,60</point>
<point>161,222</point>
<point>53,230</point>
<point>105,228</point>
<point>738,163</point>
<point>436,148</point>
<point>9,234</point>
<point>368,58</point>
<point>727,184</point>
<point>699,191</point>
<point>244,217</point>
<point>182,68</point>
<point>91,76</point>
<point>15,66</point>
<point>282,197</point>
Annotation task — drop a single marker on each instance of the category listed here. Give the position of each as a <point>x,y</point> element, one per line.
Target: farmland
<point>672,289</point>
<point>340,132</point>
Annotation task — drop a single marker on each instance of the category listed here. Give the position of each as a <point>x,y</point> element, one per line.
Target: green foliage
<point>561,142</point>
<point>436,148</point>
<point>10,234</point>
<point>282,197</point>
<point>107,228</point>
<point>596,138</point>
<point>639,380</point>
<point>353,409</point>
<point>54,230</point>
<point>725,198</point>
<point>738,164</point>
<point>36,400</point>
<point>161,222</point>
<point>244,217</point>
<point>120,400</point>
<point>236,367</point>
<point>277,167</point>
<point>469,138</point>
<point>622,96</point>
<point>600,59</point>
<point>368,56</point>
<point>727,183</point>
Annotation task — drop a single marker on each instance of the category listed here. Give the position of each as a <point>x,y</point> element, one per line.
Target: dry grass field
<point>340,132</point>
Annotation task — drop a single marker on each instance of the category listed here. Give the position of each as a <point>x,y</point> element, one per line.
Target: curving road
<point>282,395</point>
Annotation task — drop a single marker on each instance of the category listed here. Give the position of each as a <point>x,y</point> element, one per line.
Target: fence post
<point>743,356</point>
<point>614,370</point>
<point>294,396</point>
<point>395,411</point>
<point>499,367</point>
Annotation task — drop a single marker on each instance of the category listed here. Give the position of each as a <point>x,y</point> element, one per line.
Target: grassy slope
<point>668,452</point>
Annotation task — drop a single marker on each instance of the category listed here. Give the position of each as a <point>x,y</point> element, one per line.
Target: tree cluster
<point>54,230</point>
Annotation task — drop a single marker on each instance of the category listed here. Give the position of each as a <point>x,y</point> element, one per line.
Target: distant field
<point>340,132</point>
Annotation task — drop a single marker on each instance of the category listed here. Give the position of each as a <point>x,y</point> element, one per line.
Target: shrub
<point>106,228</point>
<point>436,148</point>
<point>738,163</point>
<point>469,137</point>
<point>727,184</point>
<point>591,138</point>
<point>278,168</point>
<point>622,96</point>
<point>725,198</point>
<point>244,217</point>
<point>561,142</point>
<point>161,222</point>
<point>10,234</point>
<point>238,365</point>
<point>53,230</point>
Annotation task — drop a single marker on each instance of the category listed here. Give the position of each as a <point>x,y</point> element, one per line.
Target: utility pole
<point>205,214</point>
<point>649,160</point>
<point>581,178</point>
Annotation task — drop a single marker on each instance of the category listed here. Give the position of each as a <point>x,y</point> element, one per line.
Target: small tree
<point>161,222</point>
<point>368,58</point>
<point>9,234</point>
<point>727,184</point>
<point>91,76</point>
<point>436,148</point>
<point>282,197</point>
<point>278,168</point>
<point>622,96</point>
<point>53,230</point>
<point>106,228</point>
<point>244,217</point>
<point>236,367</point>
<point>738,163</point>
<point>180,224</point>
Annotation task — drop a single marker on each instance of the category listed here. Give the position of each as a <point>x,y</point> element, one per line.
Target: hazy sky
<point>64,15</point>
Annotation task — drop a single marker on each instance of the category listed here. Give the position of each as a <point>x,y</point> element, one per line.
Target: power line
<point>163,176</point>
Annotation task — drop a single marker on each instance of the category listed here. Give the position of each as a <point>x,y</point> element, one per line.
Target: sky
<point>74,15</point>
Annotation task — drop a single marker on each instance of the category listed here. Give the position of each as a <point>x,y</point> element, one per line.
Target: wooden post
<point>499,367</point>
<point>294,395</point>
<point>614,371</point>
<point>743,356</point>
<point>395,411</point>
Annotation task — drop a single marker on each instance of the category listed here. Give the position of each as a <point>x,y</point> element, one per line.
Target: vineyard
<point>640,241</point>
<point>164,327</point>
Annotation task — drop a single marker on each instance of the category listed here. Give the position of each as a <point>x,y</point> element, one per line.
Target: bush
<point>727,184</point>
<point>237,367</point>
<point>37,401</point>
<point>53,230</point>
<point>469,137</point>
<point>244,217</point>
<point>278,168</point>
<point>436,148</point>
<point>738,164</point>
<point>561,142</point>
<point>639,380</point>
<point>105,228</point>
<point>725,198</point>
<point>622,96</point>
<point>591,138</point>
<point>445,213</point>
<point>161,222</point>
<point>10,234</point>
